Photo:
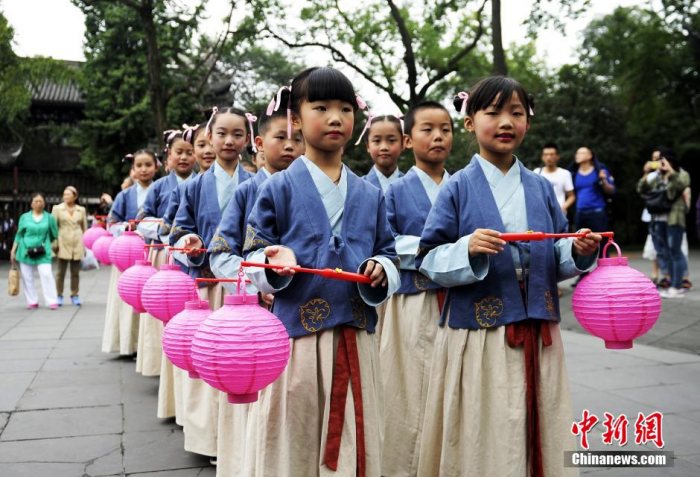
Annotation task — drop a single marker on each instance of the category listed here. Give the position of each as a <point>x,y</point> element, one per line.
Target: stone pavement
<point>66,409</point>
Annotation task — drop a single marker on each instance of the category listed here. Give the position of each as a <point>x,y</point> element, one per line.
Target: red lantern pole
<point>335,274</point>
<point>531,235</point>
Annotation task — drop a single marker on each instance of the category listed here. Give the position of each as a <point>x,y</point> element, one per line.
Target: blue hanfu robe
<point>226,247</point>
<point>409,325</point>
<point>301,208</point>
<point>484,291</point>
<point>481,375</point>
<point>127,203</point>
<point>156,204</point>
<point>379,180</point>
<point>408,203</point>
<point>199,213</point>
<point>327,226</point>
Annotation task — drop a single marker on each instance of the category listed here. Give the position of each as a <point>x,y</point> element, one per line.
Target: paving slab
<point>12,387</point>
<point>157,451</point>
<point>82,421</point>
<point>71,396</point>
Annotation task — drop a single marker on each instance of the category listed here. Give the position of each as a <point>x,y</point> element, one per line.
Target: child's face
<point>326,125</point>
<point>228,136</point>
<point>499,132</point>
<point>550,157</point>
<point>384,144</point>
<point>203,150</point>
<point>144,167</point>
<point>279,150</point>
<point>431,135</point>
<point>181,157</point>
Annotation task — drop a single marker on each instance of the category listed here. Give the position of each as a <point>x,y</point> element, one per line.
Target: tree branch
<point>373,47</point>
<point>217,48</point>
<point>409,57</point>
<point>453,63</point>
<point>340,57</point>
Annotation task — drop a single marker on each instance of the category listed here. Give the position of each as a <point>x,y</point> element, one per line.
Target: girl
<point>180,156</point>
<point>121,323</point>
<point>72,223</point>
<point>170,392</point>
<point>319,214</point>
<point>384,144</point>
<point>482,415</point>
<point>236,450</point>
<point>203,200</point>
<point>32,249</point>
<point>413,312</point>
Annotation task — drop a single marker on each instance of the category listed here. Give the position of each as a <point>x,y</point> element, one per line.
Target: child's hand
<point>194,244</point>
<point>376,272</point>
<point>284,256</point>
<point>485,241</point>
<point>587,245</point>
<point>267,299</point>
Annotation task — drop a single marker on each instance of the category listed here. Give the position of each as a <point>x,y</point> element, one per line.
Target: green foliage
<point>405,50</point>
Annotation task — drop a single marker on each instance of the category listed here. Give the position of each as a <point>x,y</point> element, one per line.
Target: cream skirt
<point>410,325</point>
<point>290,418</point>
<point>475,418</point>
<point>150,349</point>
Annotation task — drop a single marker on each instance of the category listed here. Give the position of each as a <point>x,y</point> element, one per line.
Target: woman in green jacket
<point>32,249</point>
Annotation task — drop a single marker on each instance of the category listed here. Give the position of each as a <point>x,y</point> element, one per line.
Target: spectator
<point>560,178</point>
<point>592,184</point>
<point>72,223</point>
<point>664,194</point>
<point>32,249</point>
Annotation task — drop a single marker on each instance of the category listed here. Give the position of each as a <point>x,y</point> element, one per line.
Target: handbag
<point>36,252</point>
<point>39,250</point>
<point>657,201</point>
<point>13,281</point>
<point>89,262</point>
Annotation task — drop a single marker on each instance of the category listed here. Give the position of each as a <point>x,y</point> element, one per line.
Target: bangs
<point>497,91</point>
<point>322,84</point>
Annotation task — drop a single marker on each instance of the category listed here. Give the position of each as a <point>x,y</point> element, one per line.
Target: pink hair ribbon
<point>214,110</point>
<point>188,132</point>
<point>275,105</point>
<point>530,110</point>
<point>361,104</point>
<point>251,119</point>
<point>464,96</point>
<point>128,158</point>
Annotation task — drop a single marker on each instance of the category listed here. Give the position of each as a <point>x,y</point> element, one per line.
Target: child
<point>236,450</point>
<point>199,214</point>
<point>482,415</point>
<point>170,392</point>
<point>121,323</point>
<point>180,156</point>
<point>412,314</point>
<point>319,214</point>
<point>384,144</point>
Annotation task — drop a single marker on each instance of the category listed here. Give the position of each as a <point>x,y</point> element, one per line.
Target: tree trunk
<point>155,69</point>
<point>499,57</point>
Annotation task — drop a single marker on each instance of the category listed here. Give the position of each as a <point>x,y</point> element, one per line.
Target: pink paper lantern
<point>101,249</point>
<point>125,250</point>
<point>240,348</point>
<point>616,302</point>
<point>178,334</point>
<point>164,295</point>
<point>132,281</point>
<point>92,234</point>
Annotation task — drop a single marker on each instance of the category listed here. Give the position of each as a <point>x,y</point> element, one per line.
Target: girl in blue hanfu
<point>121,323</point>
<point>384,142</point>
<point>498,399</point>
<point>170,386</point>
<point>202,202</point>
<point>322,417</point>
<point>236,434</point>
<point>180,157</point>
